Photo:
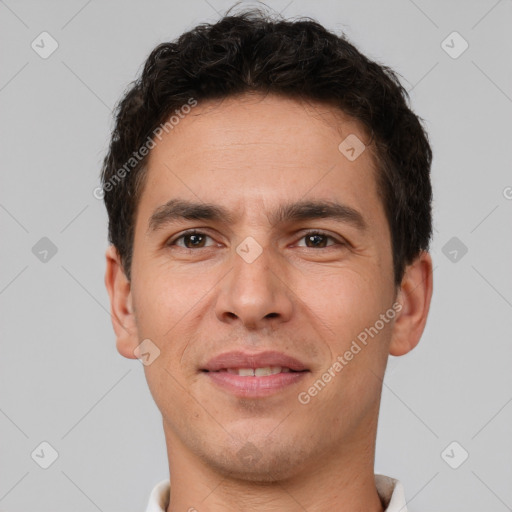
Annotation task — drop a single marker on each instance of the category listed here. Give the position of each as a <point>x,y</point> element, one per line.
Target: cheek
<point>164,301</point>
<point>347,309</point>
<point>170,312</point>
<point>344,301</point>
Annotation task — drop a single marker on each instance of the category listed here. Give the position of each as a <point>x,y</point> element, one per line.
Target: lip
<point>254,387</point>
<point>239,359</point>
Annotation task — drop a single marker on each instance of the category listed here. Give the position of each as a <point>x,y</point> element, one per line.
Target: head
<point>306,178</point>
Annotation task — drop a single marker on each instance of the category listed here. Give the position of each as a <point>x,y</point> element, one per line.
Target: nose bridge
<point>253,294</point>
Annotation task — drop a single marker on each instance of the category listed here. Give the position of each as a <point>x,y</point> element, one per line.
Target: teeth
<point>258,372</point>
<point>269,370</point>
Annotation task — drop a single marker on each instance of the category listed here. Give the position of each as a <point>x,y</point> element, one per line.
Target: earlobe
<point>121,305</point>
<point>414,296</point>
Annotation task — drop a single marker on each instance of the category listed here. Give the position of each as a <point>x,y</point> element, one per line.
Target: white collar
<point>390,490</point>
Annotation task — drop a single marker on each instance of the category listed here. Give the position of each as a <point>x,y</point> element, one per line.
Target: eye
<point>191,239</point>
<point>194,239</point>
<point>318,240</point>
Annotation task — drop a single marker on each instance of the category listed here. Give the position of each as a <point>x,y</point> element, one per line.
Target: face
<point>264,271</point>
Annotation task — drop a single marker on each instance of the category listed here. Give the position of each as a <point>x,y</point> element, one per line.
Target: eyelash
<point>308,233</point>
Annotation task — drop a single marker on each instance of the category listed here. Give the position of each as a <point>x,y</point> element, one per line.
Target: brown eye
<point>194,239</point>
<point>191,240</point>
<point>318,240</point>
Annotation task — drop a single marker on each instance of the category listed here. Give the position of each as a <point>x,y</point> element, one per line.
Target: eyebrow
<point>179,209</point>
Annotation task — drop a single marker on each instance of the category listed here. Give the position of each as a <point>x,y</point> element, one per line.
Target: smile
<point>257,372</point>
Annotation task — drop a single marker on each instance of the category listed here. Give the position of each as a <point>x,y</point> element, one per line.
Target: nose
<point>255,293</point>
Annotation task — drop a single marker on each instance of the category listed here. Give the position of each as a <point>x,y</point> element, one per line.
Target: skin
<point>250,154</point>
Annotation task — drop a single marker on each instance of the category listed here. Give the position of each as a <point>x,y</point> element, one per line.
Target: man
<point>269,201</point>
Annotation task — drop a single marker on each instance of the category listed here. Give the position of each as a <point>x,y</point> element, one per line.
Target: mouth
<point>267,362</point>
<point>257,372</point>
<point>254,375</point>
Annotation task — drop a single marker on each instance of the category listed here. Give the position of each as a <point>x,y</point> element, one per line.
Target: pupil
<point>192,237</point>
<point>311,237</point>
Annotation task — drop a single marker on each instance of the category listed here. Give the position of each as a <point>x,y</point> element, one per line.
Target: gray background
<point>61,378</point>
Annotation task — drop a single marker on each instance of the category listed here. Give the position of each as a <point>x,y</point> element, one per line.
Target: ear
<point>414,297</point>
<point>121,306</point>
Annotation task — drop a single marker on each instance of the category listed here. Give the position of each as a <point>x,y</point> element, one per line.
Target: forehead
<point>255,152</point>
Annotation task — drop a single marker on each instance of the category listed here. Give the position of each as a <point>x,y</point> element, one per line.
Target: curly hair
<point>255,52</point>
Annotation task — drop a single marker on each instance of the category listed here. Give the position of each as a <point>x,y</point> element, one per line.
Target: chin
<point>265,462</point>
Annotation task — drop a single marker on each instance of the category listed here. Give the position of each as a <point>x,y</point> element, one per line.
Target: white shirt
<point>391,493</point>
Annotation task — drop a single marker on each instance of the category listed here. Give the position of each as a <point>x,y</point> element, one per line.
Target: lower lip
<point>255,386</point>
